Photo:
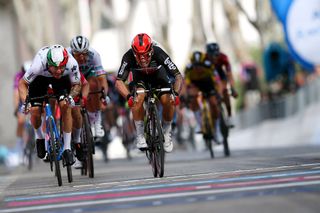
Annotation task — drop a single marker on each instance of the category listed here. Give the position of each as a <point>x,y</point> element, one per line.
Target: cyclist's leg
<point>138,111</point>
<point>76,130</point>
<point>161,80</point>
<point>94,106</point>
<point>62,86</point>
<point>36,89</point>
<point>20,144</point>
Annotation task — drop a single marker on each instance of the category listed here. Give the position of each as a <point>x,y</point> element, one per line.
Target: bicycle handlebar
<point>155,90</point>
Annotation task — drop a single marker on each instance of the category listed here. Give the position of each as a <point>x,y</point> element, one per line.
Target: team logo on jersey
<point>74,68</point>
<point>123,66</point>
<point>30,76</point>
<point>170,64</point>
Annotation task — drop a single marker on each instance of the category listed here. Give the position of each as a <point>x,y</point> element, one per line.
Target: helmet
<point>141,44</point>
<point>213,49</point>
<point>57,56</point>
<point>142,47</point>
<point>79,44</point>
<point>26,65</point>
<point>197,57</point>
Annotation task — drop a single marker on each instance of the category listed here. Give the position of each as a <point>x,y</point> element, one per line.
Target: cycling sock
<point>92,117</point>
<point>76,135</point>
<point>98,117</point>
<point>166,126</point>
<point>139,127</point>
<point>39,133</point>
<point>67,140</point>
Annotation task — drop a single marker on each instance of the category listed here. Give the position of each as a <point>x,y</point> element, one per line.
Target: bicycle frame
<point>50,118</point>
<point>153,131</point>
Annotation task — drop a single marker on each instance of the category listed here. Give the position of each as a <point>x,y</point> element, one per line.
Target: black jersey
<point>159,58</point>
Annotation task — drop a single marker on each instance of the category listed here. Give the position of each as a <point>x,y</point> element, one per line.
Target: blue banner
<point>301,24</point>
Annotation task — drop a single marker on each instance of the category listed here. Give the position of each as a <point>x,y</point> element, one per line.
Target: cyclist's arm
<point>75,90</point>
<point>23,90</point>
<point>178,83</point>
<point>85,87</point>
<point>103,82</point>
<point>122,88</point>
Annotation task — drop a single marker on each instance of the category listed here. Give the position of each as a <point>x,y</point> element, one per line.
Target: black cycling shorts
<point>206,86</point>
<point>158,79</point>
<point>39,87</point>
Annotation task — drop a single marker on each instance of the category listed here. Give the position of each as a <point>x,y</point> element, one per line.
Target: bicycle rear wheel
<point>225,134</point>
<point>89,145</point>
<point>208,133</point>
<point>54,153</point>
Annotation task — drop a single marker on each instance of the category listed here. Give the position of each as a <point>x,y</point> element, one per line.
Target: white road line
<point>152,197</point>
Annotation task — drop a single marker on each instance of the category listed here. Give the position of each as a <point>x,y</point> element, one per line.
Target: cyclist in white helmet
<point>90,66</point>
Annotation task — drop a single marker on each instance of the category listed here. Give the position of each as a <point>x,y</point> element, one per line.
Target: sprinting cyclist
<point>200,81</point>
<point>223,68</point>
<point>51,65</point>
<point>144,54</point>
<point>90,66</point>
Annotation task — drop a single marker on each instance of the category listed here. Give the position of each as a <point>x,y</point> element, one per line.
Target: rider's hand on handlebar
<point>68,99</point>
<point>130,100</point>
<point>175,99</point>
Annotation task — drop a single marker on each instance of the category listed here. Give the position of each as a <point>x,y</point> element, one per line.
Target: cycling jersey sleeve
<point>225,62</point>
<point>163,58</point>
<point>74,74</point>
<point>35,69</point>
<point>98,68</point>
<point>124,69</point>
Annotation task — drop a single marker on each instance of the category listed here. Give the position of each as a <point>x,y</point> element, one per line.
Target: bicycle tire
<point>54,152</point>
<point>150,151</point>
<point>90,146</point>
<point>208,135</point>
<point>158,149</point>
<point>225,134</point>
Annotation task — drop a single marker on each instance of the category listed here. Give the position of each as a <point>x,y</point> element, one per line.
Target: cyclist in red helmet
<point>51,65</point>
<point>149,65</point>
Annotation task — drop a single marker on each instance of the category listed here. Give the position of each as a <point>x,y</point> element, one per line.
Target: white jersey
<point>92,64</point>
<point>39,67</point>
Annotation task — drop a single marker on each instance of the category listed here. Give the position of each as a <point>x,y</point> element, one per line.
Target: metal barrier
<point>281,107</point>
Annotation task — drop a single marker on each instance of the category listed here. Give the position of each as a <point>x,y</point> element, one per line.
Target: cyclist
<point>51,65</point>
<point>90,66</point>
<point>199,78</point>
<point>80,101</point>
<point>17,112</point>
<point>223,68</point>
<point>144,54</point>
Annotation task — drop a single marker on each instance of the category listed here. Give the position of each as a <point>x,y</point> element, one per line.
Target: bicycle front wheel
<point>159,150</point>
<point>54,152</point>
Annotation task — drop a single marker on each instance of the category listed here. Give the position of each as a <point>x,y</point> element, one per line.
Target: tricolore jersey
<point>39,67</point>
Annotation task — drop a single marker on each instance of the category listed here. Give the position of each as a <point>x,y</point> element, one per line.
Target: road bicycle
<point>87,145</point>
<point>207,127</point>
<point>55,139</point>
<point>153,130</point>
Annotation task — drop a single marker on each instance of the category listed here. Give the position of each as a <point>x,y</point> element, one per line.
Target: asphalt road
<point>267,180</point>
